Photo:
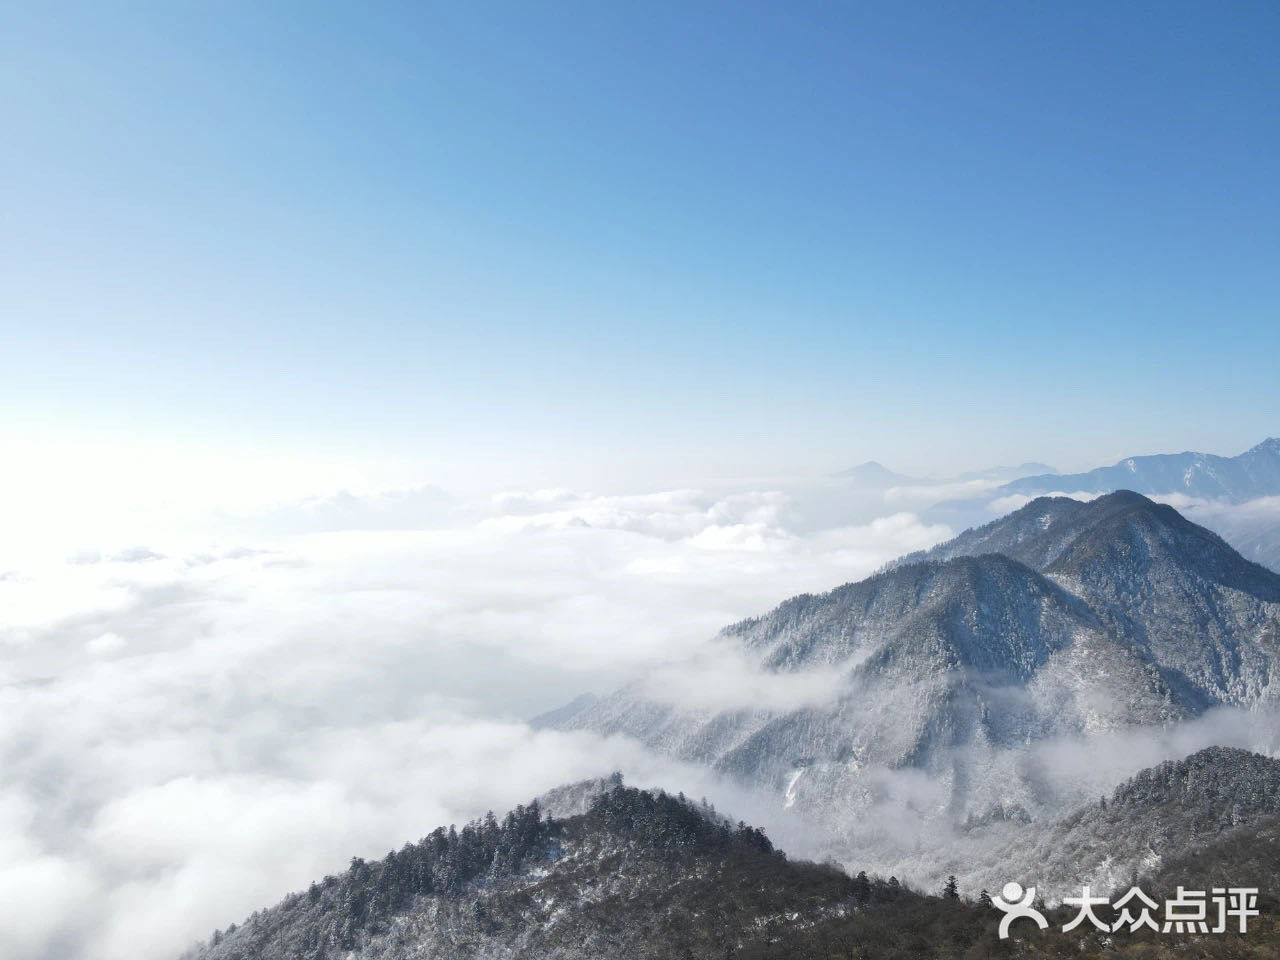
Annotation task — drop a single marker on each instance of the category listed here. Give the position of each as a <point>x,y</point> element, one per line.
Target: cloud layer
<point>189,730</point>
<point>197,718</point>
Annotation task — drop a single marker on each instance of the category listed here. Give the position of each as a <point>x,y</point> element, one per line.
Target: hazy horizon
<point>410,244</point>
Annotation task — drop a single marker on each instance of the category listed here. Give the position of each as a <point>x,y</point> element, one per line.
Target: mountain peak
<point>1035,467</point>
<point>1171,588</point>
<point>531,886</point>
<point>1270,446</point>
<point>1125,497</point>
<point>1057,534</point>
<point>873,473</point>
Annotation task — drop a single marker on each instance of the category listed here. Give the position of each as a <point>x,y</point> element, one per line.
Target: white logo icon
<point>1016,904</point>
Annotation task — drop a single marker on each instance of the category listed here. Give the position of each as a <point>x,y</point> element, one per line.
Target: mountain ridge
<point>1246,476</point>
<point>634,874</point>
<point>1148,572</point>
<point>651,876</point>
<point>1237,497</point>
<point>1163,813</point>
<point>1064,620</point>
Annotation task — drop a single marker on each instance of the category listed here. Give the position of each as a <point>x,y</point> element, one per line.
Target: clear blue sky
<point>596,240</point>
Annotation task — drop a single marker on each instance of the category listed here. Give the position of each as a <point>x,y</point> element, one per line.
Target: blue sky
<point>603,243</point>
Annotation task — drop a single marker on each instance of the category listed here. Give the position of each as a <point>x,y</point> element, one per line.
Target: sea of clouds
<point>194,723</point>
<point>198,716</point>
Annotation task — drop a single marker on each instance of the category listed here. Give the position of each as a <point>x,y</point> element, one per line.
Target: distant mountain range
<point>1254,473</point>
<point>875,475</point>
<point>1218,488</point>
<point>1233,491</point>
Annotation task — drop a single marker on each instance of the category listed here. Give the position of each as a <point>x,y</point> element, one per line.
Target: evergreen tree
<point>951,889</point>
<point>862,886</point>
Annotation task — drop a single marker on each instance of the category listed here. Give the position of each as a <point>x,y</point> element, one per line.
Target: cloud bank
<point>196,719</point>
<point>190,728</point>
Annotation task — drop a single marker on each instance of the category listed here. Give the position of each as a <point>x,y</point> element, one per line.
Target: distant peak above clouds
<point>1254,473</point>
<point>873,474</point>
<point>1237,497</point>
<point>1061,535</point>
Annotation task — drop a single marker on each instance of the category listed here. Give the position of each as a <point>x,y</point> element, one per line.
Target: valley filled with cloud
<point>191,729</point>
<point>194,725</point>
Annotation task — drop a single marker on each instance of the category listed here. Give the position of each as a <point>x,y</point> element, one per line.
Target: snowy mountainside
<point>650,876</point>
<point>1063,620</point>
<point>1174,589</point>
<point>1166,812</point>
<point>1236,497</point>
<point>557,717</point>
<point>638,874</point>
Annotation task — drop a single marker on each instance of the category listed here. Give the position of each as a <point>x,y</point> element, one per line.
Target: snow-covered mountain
<point>636,874</point>
<point>1254,473</point>
<point>1236,497</point>
<point>1175,590</point>
<point>1163,813</point>
<point>1253,528</point>
<point>1063,620</point>
<point>645,875</point>
<point>561,715</point>
<point>965,677</point>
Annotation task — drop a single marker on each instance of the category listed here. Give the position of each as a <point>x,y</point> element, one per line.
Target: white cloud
<point>106,643</point>
<point>189,728</point>
<point>925,494</point>
<point>194,726</point>
<point>720,678</point>
<point>1016,501</point>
